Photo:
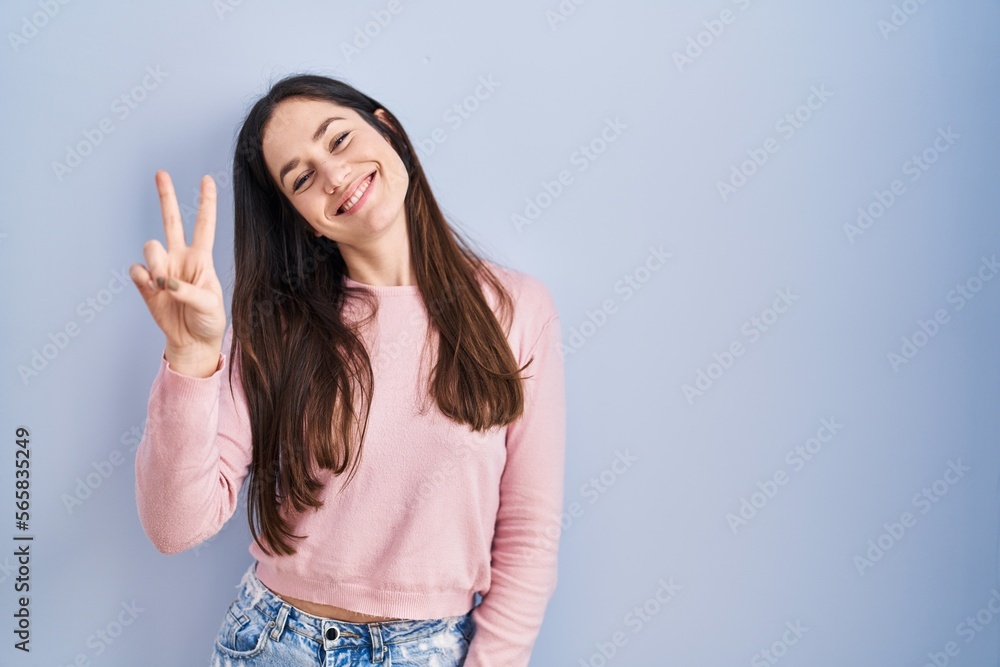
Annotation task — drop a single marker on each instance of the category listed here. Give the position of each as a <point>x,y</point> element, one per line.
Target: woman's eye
<point>336,142</point>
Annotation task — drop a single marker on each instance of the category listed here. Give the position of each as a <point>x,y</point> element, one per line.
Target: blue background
<point>695,91</point>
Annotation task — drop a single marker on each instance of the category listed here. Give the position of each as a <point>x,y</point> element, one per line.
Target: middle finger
<point>172,223</point>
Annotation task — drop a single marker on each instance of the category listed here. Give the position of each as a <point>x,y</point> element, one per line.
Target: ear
<point>387,126</point>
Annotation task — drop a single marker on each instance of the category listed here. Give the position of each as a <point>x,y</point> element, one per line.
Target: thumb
<point>199,299</point>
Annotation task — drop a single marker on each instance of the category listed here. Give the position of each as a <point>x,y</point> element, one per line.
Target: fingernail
<point>159,281</point>
<point>151,285</point>
<point>172,284</point>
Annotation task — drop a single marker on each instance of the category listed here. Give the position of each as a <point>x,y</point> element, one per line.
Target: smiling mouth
<point>356,196</point>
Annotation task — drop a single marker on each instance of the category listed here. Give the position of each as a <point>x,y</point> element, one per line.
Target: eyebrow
<point>320,131</point>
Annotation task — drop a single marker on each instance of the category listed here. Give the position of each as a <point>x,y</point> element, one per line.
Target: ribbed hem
<point>385,290</point>
<point>182,388</point>
<point>416,605</point>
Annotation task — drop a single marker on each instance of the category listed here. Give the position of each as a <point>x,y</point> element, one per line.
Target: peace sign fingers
<point>204,229</point>
<point>172,224</point>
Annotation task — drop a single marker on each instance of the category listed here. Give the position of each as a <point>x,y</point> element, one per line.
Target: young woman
<point>367,337</point>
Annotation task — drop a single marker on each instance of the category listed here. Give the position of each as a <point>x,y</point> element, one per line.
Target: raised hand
<point>180,286</point>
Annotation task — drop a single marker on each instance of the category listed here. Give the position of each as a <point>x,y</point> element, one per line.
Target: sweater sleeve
<point>193,456</point>
<point>526,536</point>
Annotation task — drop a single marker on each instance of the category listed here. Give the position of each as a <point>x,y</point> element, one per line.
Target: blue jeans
<point>262,630</point>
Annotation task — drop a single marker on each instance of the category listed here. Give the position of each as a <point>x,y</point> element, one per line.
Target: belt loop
<point>279,623</point>
<point>378,648</point>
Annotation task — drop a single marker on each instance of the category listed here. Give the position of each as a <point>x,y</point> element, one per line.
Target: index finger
<point>204,228</point>
<point>172,224</point>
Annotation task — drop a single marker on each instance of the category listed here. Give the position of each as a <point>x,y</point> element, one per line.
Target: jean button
<point>333,634</point>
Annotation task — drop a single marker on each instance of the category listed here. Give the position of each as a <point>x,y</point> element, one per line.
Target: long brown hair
<point>305,370</point>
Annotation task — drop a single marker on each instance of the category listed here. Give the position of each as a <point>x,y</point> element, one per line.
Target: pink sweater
<point>434,513</point>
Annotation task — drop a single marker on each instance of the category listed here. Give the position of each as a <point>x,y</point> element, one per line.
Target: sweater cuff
<point>187,386</point>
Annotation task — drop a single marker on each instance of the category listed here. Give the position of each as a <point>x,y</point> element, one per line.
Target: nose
<point>335,175</point>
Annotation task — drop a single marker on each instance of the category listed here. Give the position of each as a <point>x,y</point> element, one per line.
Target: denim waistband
<point>329,631</point>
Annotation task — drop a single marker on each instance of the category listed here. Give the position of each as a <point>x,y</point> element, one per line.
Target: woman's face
<point>310,156</point>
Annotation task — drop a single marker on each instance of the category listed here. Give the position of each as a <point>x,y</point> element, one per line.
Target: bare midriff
<point>335,613</point>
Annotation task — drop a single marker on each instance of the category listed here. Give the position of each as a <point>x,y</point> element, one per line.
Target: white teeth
<point>357,195</point>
